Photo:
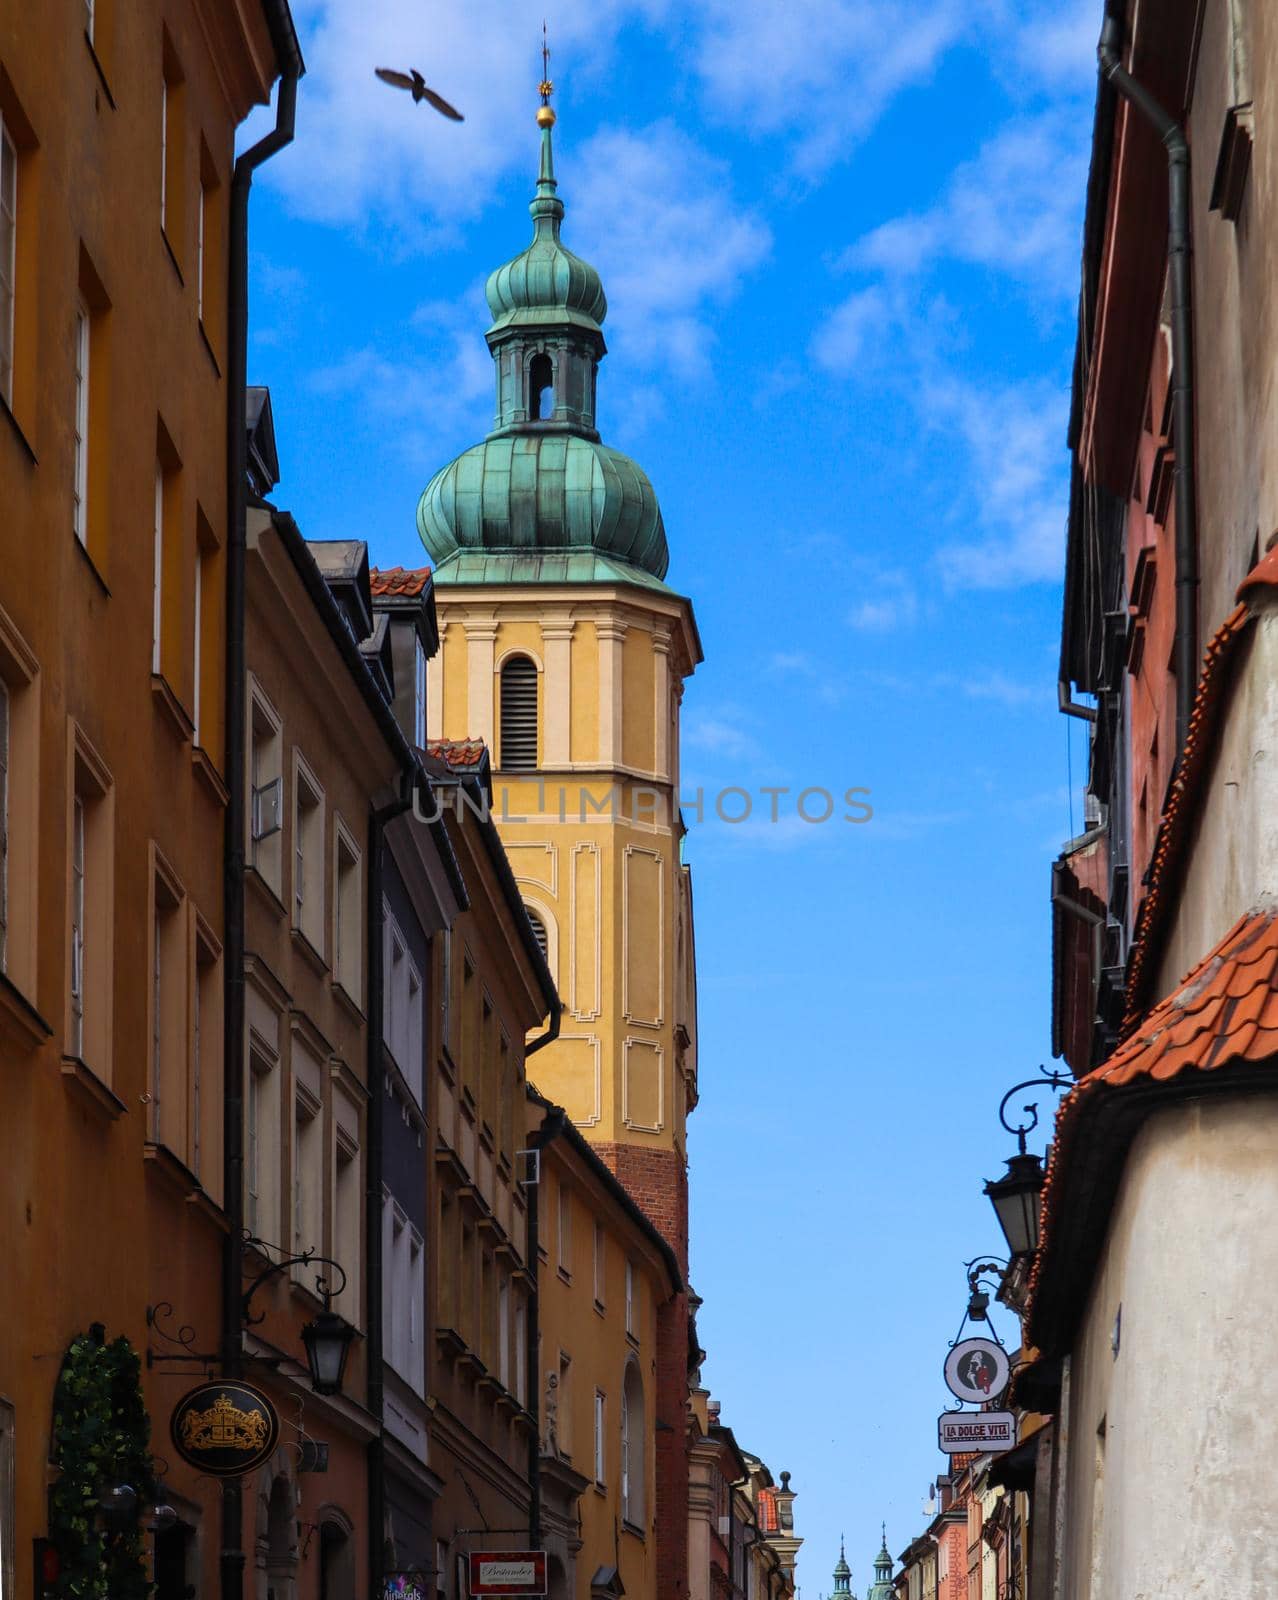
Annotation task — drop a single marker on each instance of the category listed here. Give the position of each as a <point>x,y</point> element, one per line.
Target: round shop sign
<point>976,1370</point>
<point>225,1428</point>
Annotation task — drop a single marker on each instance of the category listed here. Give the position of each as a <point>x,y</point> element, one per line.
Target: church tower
<point>563,648</point>
<point>842,1578</point>
<point>565,651</point>
<point>882,1588</point>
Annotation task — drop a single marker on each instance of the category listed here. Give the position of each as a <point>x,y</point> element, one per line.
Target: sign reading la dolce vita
<point>224,1427</point>
<point>982,1431</point>
<point>507,1572</point>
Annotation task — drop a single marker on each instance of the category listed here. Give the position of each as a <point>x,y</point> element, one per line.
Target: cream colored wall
<point>593,1335</point>
<point>1187,1400</point>
<point>1234,860</point>
<point>590,836</point>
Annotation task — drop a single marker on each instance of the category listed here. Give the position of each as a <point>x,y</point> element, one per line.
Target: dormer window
<point>541,388</point>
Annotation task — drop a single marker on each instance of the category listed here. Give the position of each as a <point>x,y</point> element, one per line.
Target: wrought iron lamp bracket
<point>1052,1080</point>
<point>324,1287</point>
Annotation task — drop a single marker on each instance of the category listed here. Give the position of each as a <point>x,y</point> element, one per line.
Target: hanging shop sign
<point>224,1428</point>
<point>405,1586</point>
<point>507,1572</point>
<point>986,1432</point>
<point>976,1370</point>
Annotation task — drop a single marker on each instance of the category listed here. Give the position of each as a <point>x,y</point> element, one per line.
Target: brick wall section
<point>658,1181</point>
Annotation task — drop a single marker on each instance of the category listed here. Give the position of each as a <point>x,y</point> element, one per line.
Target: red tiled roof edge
<point>457,752</point>
<point>407,581</point>
<point>1177,820</point>
<point>1223,1013</point>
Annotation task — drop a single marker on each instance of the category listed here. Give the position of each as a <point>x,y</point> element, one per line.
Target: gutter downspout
<point>374,1265</point>
<point>232,1558</point>
<point>1185,649</point>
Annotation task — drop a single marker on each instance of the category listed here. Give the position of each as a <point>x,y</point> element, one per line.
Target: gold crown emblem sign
<point>224,1426</point>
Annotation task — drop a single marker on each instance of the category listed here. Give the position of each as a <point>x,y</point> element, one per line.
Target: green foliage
<point>101,1437</point>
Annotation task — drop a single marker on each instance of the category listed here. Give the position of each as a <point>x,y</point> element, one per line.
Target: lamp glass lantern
<point>1015,1198</point>
<point>328,1339</point>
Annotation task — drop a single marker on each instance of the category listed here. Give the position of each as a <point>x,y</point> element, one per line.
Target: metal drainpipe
<point>373,1264</point>
<point>231,1560</point>
<point>1182,342</point>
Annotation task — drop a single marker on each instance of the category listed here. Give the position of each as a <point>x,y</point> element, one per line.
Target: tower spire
<point>547,208</point>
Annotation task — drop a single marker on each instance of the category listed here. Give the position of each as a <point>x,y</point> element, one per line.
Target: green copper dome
<point>545,282</point>
<point>542,499</point>
<point>544,491</point>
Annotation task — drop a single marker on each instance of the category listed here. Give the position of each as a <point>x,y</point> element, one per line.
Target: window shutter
<point>539,930</point>
<point>519,715</point>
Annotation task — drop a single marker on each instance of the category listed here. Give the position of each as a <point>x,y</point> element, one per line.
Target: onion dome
<point>542,498</point>
<point>546,282</point>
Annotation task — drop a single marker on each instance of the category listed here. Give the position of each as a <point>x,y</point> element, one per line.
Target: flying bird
<point>420,91</point>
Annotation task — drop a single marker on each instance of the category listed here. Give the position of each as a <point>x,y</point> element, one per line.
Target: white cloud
<point>718,735</point>
<point>889,603</point>
<point>365,153</point>
<point>853,331</point>
<point>1015,209</point>
<point>821,70</point>
<point>655,213</point>
<point>1016,477</point>
<point>452,364</point>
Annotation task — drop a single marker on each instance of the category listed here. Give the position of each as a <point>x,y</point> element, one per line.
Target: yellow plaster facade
<point>594,832</point>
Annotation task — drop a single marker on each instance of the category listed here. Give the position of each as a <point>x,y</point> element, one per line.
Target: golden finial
<point>545,112</point>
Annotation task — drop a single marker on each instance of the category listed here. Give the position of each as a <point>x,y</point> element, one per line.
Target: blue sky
<point>840,244</point>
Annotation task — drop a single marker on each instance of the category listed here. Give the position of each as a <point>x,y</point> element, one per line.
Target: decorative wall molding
<point>632,854</point>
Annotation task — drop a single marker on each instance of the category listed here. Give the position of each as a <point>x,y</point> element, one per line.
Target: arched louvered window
<point>539,931</point>
<point>519,715</point>
<point>541,388</point>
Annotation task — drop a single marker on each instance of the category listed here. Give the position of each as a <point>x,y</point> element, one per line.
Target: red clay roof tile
<point>1223,1013</point>
<point>399,581</point>
<point>457,752</point>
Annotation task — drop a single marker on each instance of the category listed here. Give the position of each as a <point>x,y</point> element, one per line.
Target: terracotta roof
<point>400,581</point>
<point>1176,826</point>
<point>457,752</point>
<point>766,1511</point>
<point>1223,1014</point>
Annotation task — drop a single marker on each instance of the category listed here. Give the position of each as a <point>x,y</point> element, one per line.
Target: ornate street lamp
<point>328,1339</point>
<point>1015,1196</point>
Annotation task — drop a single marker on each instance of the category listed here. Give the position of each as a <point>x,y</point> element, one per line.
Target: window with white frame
<point>563,1231</point>
<point>157,587</point>
<point>206,1060</point>
<point>348,913</point>
<point>521,1352</point>
<point>633,1440</point>
<point>403,1294</point>
<point>266,791</point>
<point>598,1261</point>
<point>308,1150</point>
<point>204,618</point>
<point>630,1298</point>
<point>419,692</point>
<point>347,1229</point>
<point>503,1332</point>
<point>89,953</point>
<point>262,1142</point>
<point>308,855</point>
<point>80,424</point>
<point>600,1437</point>
<point>8,256</point>
<point>402,1004</point>
<point>169,1113</point>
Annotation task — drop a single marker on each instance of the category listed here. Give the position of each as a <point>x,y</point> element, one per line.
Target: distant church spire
<point>881,1588</point>
<point>842,1576</point>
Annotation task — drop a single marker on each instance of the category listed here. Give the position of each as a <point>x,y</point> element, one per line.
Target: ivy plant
<point>101,1438</point>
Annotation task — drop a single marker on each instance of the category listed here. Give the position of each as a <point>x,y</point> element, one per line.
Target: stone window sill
<point>209,776</point>
<point>89,1089</point>
<point>180,722</point>
<point>20,1022</point>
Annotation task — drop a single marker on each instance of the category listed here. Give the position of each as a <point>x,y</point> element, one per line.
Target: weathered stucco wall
<point>1233,861</point>
<point>1176,1495</point>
